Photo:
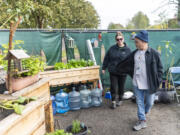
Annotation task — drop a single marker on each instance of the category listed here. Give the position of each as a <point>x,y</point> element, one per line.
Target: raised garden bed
<point>30,122</point>
<point>67,76</point>
<point>40,89</point>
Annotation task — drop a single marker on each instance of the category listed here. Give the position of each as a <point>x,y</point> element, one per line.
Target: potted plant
<point>77,128</point>
<point>30,68</point>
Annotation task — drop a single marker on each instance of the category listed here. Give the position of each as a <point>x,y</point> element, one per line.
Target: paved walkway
<point>164,119</point>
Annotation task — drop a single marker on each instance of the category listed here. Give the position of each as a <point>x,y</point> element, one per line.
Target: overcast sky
<point>119,11</point>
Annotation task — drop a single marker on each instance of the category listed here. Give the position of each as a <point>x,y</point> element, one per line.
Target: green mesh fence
<point>50,43</point>
<point>35,41</point>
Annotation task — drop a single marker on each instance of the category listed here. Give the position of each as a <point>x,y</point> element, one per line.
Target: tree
<point>177,3</point>
<point>76,14</point>
<point>163,21</point>
<point>173,23</point>
<point>139,21</point>
<point>115,26</point>
<point>35,13</point>
<point>130,25</point>
<point>49,13</point>
<point>177,8</point>
<point>157,26</point>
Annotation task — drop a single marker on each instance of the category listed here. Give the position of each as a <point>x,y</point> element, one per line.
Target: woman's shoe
<point>113,105</point>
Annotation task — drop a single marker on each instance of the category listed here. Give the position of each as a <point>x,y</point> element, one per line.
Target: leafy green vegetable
<point>73,64</point>
<point>58,132</point>
<point>16,105</point>
<point>59,66</point>
<point>76,126</point>
<point>20,100</point>
<point>18,108</point>
<point>33,98</point>
<point>34,65</point>
<point>90,63</point>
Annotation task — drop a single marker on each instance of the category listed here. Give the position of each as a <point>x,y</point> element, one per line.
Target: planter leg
<point>49,117</point>
<point>94,83</point>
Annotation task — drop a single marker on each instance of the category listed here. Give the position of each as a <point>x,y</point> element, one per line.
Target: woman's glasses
<point>119,39</point>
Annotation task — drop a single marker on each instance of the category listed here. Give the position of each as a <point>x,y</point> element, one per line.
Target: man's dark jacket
<point>154,68</point>
<point>115,55</point>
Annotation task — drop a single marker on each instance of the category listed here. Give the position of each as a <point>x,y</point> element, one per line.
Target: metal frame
<point>174,70</point>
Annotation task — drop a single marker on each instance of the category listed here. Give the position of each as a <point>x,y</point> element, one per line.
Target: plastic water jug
<point>62,102</point>
<point>96,96</point>
<point>85,98</point>
<point>74,100</point>
<point>53,104</point>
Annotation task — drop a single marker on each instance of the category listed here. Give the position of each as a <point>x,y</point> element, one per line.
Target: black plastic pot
<point>84,132</point>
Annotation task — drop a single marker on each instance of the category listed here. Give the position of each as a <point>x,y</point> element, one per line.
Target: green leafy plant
<point>76,126</point>
<point>73,64</point>
<point>167,47</point>
<point>16,105</point>
<point>60,65</point>
<point>33,65</point>
<point>59,132</point>
<point>90,63</point>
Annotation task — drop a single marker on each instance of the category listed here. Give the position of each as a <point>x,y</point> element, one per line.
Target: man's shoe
<point>140,125</point>
<point>113,105</point>
<point>119,103</point>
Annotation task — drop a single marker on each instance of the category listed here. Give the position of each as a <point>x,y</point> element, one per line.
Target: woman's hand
<point>103,71</point>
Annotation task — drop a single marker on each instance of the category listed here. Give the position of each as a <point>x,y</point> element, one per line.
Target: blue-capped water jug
<point>53,104</point>
<point>74,100</point>
<point>85,98</point>
<point>62,102</point>
<point>96,96</point>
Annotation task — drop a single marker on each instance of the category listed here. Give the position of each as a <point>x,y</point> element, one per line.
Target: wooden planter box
<point>30,122</point>
<point>41,90</point>
<point>20,83</point>
<point>67,76</point>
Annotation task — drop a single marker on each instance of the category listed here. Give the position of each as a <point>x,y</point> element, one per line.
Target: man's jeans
<point>144,101</point>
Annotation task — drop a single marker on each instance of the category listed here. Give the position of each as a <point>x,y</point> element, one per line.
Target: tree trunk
<point>40,22</point>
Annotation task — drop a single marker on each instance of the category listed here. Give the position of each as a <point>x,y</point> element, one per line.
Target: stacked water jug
<point>74,100</point>
<point>64,102</point>
<point>85,98</point>
<point>61,102</point>
<point>96,96</point>
<point>53,104</point>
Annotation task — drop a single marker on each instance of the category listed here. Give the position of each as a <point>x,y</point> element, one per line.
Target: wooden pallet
<point>68,76</point>
<point>30,122</point>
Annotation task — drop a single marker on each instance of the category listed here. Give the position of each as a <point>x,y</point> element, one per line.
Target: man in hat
<point>145,67</point>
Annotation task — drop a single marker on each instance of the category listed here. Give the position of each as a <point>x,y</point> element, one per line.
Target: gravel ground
<point>164,119</point>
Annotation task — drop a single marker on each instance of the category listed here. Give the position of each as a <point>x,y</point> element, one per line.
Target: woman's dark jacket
<point>114,56</point>
<point>154,68</point>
